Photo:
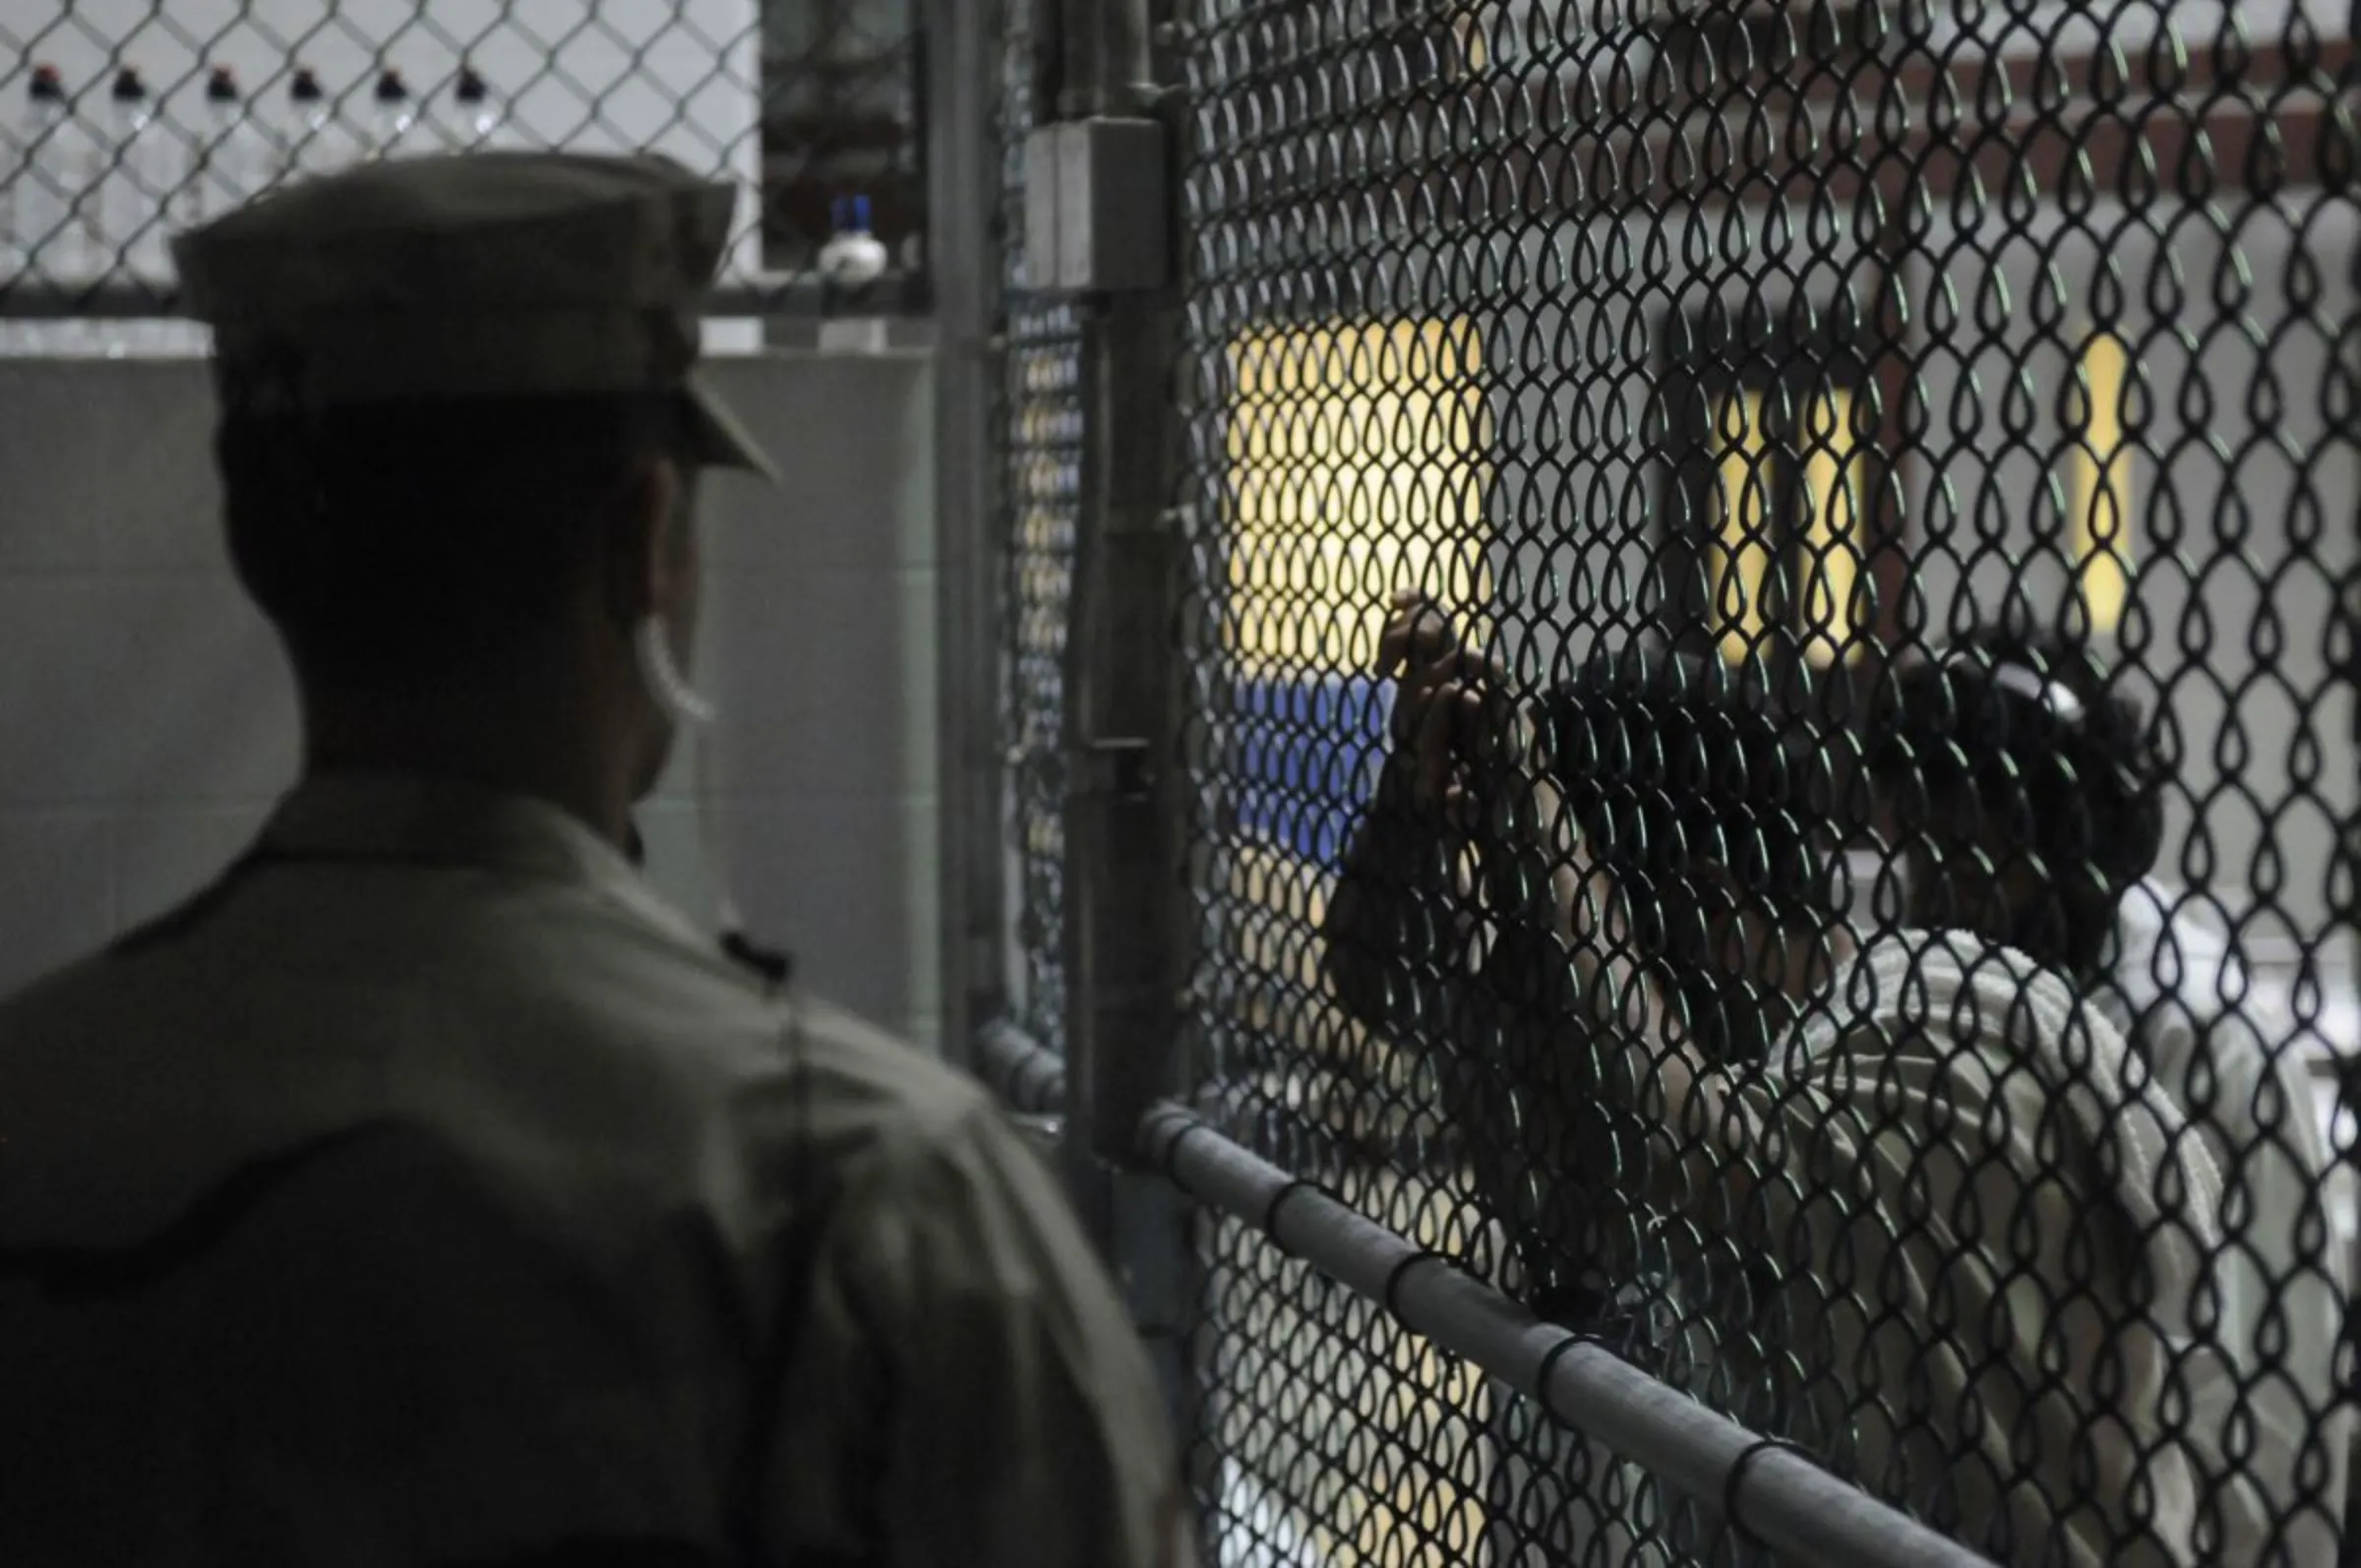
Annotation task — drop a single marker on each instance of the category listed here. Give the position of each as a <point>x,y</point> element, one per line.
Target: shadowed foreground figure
<point>427,1191</point>
<point>1983,1221</point>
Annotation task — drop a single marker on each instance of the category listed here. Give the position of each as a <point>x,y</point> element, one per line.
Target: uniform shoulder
<point>895,1077</point>
<point>924,1166</point>
<point>938,1190</point>
<point>72,991</point>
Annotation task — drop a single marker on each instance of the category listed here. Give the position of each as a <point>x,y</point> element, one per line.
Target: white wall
<point>147,721</point>
<point>2241,527</point>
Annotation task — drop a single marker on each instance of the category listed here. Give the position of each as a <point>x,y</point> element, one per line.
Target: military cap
<point>477,275</point>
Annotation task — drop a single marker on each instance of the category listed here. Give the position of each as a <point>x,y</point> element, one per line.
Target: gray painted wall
<point>147,721</point>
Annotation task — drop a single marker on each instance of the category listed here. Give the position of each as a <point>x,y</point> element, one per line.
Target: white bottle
<point>395,116</point>
<point>314,141</point>
<point>473,122</point>
<point>852,257</point>
<point>136,186</point>
<point>228,164</point>
<point>44,171</point>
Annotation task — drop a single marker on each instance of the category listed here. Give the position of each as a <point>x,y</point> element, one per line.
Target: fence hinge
<point>1098,206</point>
<point>1112,769</point>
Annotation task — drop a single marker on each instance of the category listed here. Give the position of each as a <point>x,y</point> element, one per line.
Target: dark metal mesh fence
<point>122,122</point>
<point>1839,880</point>
<point>1043,485</point>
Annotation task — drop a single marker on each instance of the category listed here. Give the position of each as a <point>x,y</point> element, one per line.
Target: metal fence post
<point>1108,172</point>
<point>1122,893</point>
<point>960,39</point>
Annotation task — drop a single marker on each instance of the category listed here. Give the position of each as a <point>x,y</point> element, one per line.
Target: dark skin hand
<point>1449,714</point>
<point>1467,738</point>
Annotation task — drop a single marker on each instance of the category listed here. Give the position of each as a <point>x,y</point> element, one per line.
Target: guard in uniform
<point>426,1190</point>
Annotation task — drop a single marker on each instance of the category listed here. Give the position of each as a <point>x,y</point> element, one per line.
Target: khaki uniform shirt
<point>429,1193</point>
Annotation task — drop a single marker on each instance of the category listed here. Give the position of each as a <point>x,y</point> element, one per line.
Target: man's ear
<point>646,559</point>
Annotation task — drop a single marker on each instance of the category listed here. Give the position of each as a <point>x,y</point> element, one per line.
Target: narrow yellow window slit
<point>1475,48</point>
<point>1741,553</point>
<point>1831,620</point>
<point>2102,486</point>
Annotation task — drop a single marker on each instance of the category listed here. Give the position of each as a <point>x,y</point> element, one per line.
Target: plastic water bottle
<point>474,118</point>
<point>135,186</point>
<point>44,173</point>
<point>228,164</point>
<point>314,141</point>
<point>396,115</point>
<point>852,257</point>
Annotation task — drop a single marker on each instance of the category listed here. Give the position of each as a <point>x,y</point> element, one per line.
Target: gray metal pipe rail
<point>1023,1072</point>
<point>1765,1488</point>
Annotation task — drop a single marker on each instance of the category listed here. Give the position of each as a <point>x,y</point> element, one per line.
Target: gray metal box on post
<point>1097,207</point>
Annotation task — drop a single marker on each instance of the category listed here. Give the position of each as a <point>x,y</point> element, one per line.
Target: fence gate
<point>1803,1021</point>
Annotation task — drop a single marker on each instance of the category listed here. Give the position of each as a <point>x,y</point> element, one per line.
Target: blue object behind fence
<point>1307,749</point>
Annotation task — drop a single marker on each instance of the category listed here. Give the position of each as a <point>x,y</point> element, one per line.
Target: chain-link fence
<point>122,122</point>
<point>1828,438</point>
<point>1771,658</point>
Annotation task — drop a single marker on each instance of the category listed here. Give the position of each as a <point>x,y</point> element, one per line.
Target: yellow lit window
<point>1355,457</point>
<point>1761,561</point>
<point>1832,535</point>
<point>2102,485</point>
<point>1741,554</point>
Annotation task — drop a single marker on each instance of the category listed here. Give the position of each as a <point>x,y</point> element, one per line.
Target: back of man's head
<point>2029,732</point>
<point>438,378</point>
<point>460,420</point>
<point>425,541</point>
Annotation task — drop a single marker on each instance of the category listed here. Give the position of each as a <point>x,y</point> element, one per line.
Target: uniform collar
<point>396,818</point>
<point>400,819</point>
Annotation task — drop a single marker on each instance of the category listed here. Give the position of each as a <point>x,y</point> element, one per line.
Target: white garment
<point>2176,988</point>
<point>1966,1171</point>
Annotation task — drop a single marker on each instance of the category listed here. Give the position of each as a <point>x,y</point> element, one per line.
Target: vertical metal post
<point>1045,30</point>
<point>1121,897</point>
<point>1122,928</point>
<point>1125,903</point>
<point>1106,59</point>
<point>964,189</point>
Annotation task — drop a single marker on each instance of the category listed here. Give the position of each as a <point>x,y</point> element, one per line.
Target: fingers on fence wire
<point>1417,635</point>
